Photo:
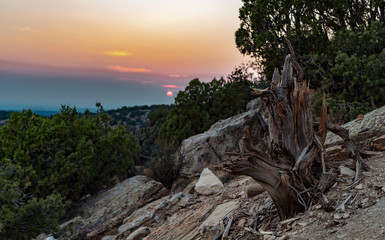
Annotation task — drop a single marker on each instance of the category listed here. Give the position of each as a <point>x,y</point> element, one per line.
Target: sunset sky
<point>118,52</point>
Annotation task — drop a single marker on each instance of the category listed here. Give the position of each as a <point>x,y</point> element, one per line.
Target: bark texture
<point>290,161</point>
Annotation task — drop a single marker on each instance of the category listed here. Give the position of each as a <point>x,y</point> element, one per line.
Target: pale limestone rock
<point>359,187</point>
<point>208,183</point>
<point>337,216</point>
<point>345,215</point>
<point>346,171</point>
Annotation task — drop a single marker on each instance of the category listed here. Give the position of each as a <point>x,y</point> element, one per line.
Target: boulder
<point>208,183</point>
<point>362,130</point>
<point>106,210</point>
<point>209,226</point>
<point>253,189</point>
<point>208,148</point>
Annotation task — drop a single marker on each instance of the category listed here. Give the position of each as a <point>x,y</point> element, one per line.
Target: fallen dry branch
<point>350,148</point>
<point>227,229</point>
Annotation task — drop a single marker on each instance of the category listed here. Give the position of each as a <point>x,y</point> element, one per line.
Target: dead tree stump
<point>290,161</point>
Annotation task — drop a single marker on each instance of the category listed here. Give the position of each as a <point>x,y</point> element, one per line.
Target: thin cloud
<point>147,82</point>
<point>171,86</point>
<point>26,29</point>
<point>137,80</point>
<point>117,53</point>
<point>128,69</point>
<point>178,75</point>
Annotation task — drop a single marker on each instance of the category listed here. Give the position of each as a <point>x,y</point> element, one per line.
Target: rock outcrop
<point>362,130</point>
<point>211,147</point>
<point>151,212</point>
<point>106,211</point>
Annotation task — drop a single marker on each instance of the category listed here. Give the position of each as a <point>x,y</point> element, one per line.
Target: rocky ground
<point>362,216</point>
<point>237,207</point>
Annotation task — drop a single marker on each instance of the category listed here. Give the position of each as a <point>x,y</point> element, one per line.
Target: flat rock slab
<point>148,213</point>
<point>220,213</point>
<point>184,224</point>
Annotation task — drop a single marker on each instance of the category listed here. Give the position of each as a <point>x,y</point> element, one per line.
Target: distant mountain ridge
<point>132,117</point>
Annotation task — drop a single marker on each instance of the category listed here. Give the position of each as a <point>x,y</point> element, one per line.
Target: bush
<point>23,216</point>
<point>65,156</point>
<point>165,169</point>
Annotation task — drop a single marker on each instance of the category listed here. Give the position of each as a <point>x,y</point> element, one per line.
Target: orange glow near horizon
<point>171,86</point>
<point>128,69</point>
<point>169,93</point>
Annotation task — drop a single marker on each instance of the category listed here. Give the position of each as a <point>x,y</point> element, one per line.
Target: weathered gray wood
<point>290,163</point>
<point>350,148</point>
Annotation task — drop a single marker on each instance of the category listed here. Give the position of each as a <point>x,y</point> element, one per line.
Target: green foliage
<point>23,216</point>
<point>4,116</point>
<point>165,168</point>
<point>353,73</point>
<point>132,118</point>
<point>158,117</point>
<point>309,25</point>
<point>44,159</point>
<point>202,104</point>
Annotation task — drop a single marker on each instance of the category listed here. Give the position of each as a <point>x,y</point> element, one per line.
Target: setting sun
<point>169,93</point>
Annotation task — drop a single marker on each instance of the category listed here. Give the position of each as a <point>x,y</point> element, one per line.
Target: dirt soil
<point>363,214</point>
